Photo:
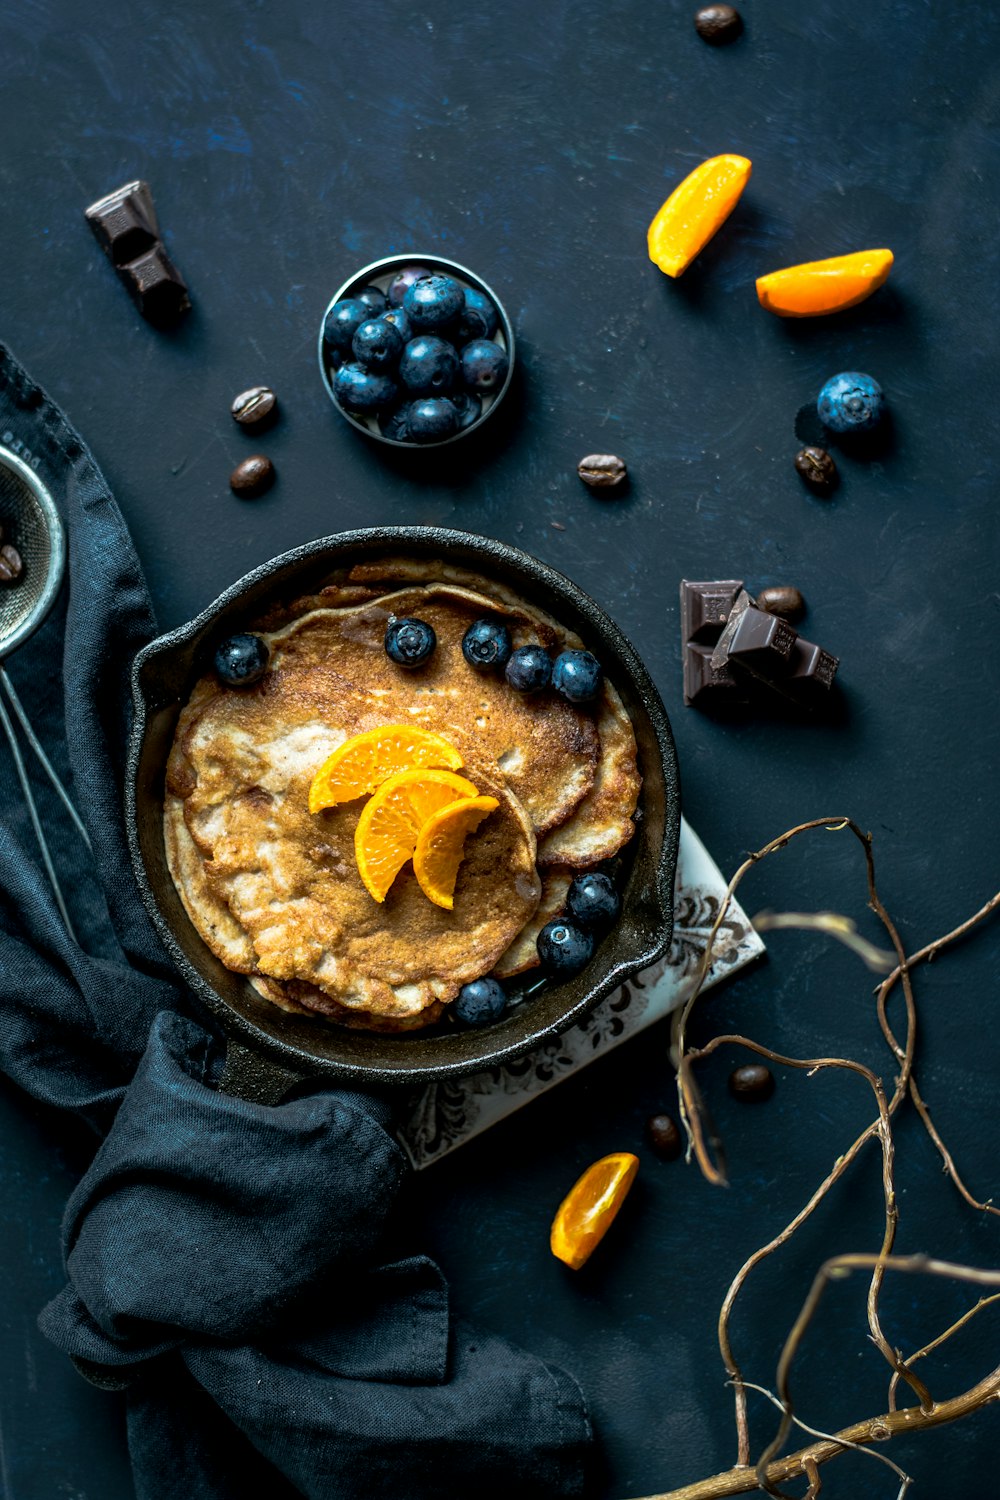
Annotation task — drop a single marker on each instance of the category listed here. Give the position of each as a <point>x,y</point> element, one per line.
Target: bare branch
<point>742,1479</point>
<point>942,1338</point>
<point>809,1462</point>
<point>835,1268</point>
<point>832,924</point>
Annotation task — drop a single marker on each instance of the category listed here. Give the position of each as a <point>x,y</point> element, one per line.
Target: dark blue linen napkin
<point>227,1262</point>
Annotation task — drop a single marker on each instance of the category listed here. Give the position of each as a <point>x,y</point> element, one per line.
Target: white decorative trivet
<point>446,1114</point>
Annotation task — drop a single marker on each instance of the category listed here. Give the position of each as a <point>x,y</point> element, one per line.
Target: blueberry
<point>363,390</point>
<point>397,317</point>
<point>850,403</point>
<point>428,366</point>
<point>242,660</point>
<point>431,420</point>
<point>409,643</point>
<point>478,318</point>
<point>433,301</point>
<point>373,299</point>
<point>401,283</point>
<point>484,365</point>
<point>468,407</point>
<point>486,645</point>
<point>394,423</point>
<point>563,948</point>
<point>377,345</point>
<point>577,675</point>
<point>529,669</point>
<point>342,322</point>
<point>593,900</point>
<point>479,1003</point>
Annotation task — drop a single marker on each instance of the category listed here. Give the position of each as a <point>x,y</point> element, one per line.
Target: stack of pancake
<point>275,892</point>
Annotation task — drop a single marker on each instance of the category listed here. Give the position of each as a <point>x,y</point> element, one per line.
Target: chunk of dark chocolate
<point>709,686</point>
<point>811,671</point>
<point>125,222</point>
<point>156,286</point>
<point>732,650</point>
<point>705,608</point>
<point>754,639</point>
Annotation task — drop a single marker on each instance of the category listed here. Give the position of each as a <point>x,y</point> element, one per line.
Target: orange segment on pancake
<point>441,844</point>
<point>390,824</point>
<point>363,762</point>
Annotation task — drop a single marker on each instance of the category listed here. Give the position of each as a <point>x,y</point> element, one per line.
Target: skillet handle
<point>253,1076</point>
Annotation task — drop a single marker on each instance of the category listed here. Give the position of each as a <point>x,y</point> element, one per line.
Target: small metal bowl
<point>268,1047</point>
<point>379,274</point>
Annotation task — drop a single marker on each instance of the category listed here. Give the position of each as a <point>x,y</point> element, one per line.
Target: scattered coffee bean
<point>781,599</point>
<point>253,476</point>
<point>752,1082</point>
<point>602,471</point>
<point>718,24</point>
<point>664,1137</point>
<point>11,566</point>
<point>252,408</point>
<point>817,468</point>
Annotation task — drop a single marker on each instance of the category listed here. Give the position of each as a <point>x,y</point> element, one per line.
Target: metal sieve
<point>29,514</point>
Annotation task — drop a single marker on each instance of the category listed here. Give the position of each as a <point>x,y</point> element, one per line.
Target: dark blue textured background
<point>287,145</point>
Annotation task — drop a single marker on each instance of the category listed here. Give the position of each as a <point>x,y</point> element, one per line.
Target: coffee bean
<point>254,407</point>
<point>781,599</point>
<point>11,566</point>
<point>253,476</point>
<point>817,469</point>
<point>718,24</point>
<point>664,1137</point>
<point>602,471</point>
<point>751,1082</point>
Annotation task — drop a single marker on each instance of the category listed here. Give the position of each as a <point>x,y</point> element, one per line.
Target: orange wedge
<point>441,844</point>
<point>590,1207</point>
<point>391,820</point>
<point>824,286</point>
<point>363,762</point>
<point>696,208</point>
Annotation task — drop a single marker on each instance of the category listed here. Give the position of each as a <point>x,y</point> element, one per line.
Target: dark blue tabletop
<point>287,146</point>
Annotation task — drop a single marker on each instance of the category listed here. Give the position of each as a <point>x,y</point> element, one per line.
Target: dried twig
<point>809,1465</point>
<point>831,924</point>
<point>942,1338</point>
<point>708,1150</point>
<point>836,1268</point>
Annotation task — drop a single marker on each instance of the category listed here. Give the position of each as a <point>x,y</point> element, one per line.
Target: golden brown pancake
<point>274,891</point>
<point>602,823</point>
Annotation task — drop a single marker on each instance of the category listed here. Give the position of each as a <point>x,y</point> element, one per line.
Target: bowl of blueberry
<point>416,351</point>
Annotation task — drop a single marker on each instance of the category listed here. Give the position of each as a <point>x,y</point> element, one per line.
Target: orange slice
<point>363,762</point>
<point>441,844</point>
<point>391,820</point>
<point>590,1207</point>
<point>696,208</point>
<point>824,286</point>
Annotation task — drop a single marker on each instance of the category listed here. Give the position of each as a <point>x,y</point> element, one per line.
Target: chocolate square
<point>706,686</point>
<point>156,286</point>
<point>705,608</point>
<point>754,639</point>
<point>124,222</point>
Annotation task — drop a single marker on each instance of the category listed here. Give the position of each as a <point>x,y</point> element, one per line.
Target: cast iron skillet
<point>269,1049</point>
